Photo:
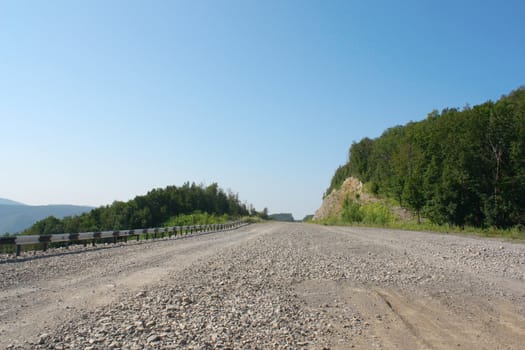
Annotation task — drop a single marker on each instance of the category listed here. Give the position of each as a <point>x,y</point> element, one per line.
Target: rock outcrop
<point>353,189</point>
<point>333,203</point>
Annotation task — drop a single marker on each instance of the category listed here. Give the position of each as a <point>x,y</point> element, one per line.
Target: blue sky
<point>105,100</point>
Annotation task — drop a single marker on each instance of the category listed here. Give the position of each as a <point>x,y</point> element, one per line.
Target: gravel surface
<point>26,267</point>
<point>274,286</point>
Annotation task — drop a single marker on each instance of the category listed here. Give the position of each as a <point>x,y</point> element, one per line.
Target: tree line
<point>154,209</point>
<point>461,167</point>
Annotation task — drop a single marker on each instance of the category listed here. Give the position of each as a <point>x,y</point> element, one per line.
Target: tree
<point>413,194</point>
<point>462,167</point>
<point>151,210</point>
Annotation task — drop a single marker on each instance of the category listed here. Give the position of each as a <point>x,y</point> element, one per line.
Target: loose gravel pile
<point>251,296</point>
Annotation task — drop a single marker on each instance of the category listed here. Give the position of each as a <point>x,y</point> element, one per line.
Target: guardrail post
<point>18,249</point>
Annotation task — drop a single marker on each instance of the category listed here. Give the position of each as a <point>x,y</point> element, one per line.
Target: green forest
<point>157,208</point>
<point>458,166</point>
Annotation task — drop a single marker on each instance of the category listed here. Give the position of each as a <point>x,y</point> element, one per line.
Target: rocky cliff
<point>352,188</point>
<point>333,203</point>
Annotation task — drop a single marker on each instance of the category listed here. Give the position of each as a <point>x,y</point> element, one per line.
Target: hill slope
<point>332,205</point>
<point>16,218</point>
<point>5,201</point>
<point>153,209</point>
<point>458,167</point>
<point>353,191</point>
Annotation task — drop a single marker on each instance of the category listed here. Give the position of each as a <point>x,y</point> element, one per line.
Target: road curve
<point>272,285</point>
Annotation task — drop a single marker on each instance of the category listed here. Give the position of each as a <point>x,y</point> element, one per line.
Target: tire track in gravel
<point>431,291</point>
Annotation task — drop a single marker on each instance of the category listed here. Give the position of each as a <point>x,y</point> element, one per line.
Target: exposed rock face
<point>352,188</point>
<point>333,203</point>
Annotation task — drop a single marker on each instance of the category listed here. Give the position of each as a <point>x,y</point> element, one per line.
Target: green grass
<point>369,213</point>
<point>513,233</point>
<point>379,215</point>
<point>197,218</point>
<point>252,219</point>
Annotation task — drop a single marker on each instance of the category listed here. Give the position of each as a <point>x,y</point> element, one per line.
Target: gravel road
<point>272,286</point>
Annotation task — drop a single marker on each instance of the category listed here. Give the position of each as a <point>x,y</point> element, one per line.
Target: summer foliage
<point>158,207</point>
<point>461,167</point>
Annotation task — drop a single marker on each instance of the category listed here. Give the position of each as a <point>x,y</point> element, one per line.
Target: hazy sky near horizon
<point>105,100</point>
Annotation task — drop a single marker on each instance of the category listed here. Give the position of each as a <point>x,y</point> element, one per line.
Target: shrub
<point>376,214</point>
<point>351,211</point>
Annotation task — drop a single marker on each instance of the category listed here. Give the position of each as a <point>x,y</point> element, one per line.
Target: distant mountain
<point>5,201</point>
<point>16,217</point>
<point>282,217</point>
<point>308,217</point>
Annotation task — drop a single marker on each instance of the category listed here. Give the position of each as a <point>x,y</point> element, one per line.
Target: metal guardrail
<point>85,237</point>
